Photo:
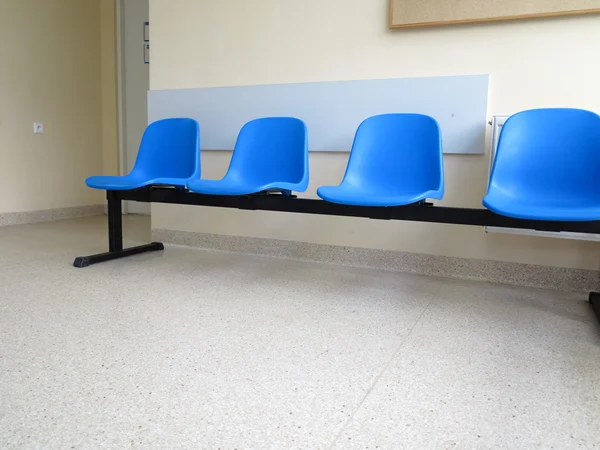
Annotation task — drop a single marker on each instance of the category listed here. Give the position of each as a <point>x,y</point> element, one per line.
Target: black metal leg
<point>115,222</point>
<point>115,237</point>
<point>84,261</point>
<point>595,301</point>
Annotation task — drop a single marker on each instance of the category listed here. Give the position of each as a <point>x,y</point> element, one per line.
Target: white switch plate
<point>38,128</point>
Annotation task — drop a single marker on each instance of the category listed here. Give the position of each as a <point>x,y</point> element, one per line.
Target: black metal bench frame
<point>418,212</point>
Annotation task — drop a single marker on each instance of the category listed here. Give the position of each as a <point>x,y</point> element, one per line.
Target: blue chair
<point>547,166</point>
<point>169,154</point>
<point>396,159</point>
<point>271,154</point>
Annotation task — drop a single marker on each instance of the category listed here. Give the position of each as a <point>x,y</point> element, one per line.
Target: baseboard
<point>577,280</point>
<point>47,215</point>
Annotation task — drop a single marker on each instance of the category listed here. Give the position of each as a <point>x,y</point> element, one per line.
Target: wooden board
<point>420,13</point>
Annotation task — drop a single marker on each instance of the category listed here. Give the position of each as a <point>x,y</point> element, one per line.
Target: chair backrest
<point>170,148</point>
<point>402,152</point>
<point>545,153</point>
<point>271,149</point>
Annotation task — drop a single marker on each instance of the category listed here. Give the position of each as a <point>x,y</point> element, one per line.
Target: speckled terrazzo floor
<point>196,349</point>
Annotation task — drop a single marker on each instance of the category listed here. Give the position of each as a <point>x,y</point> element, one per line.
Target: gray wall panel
<point>333,110</point>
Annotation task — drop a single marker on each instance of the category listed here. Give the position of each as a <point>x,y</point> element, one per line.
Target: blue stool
<point>547,166</point>
<point>169,155</point>
<point>271,154</point>
<point>396,160</point>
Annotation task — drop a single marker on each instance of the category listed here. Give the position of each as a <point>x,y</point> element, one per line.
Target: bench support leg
<point>115,222</point>
<point>115,237</point>
<point>595,301</point>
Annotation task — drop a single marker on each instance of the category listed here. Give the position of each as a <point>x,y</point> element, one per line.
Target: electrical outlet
<point>38,128</point>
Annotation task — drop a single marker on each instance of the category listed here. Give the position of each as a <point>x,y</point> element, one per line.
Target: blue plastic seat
<point>396,159</point>
<point>547,165</point>
<point>169,154</point>
<point>270,154</point>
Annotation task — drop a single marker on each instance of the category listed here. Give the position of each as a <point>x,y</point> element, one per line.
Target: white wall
<point>539,63</point>
<point>50,60</point>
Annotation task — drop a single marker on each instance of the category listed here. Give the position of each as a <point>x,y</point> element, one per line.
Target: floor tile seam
<point>385,367</point>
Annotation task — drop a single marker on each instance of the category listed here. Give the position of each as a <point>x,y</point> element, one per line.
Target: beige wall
<point>50,60</point>
<point>531,64</point>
